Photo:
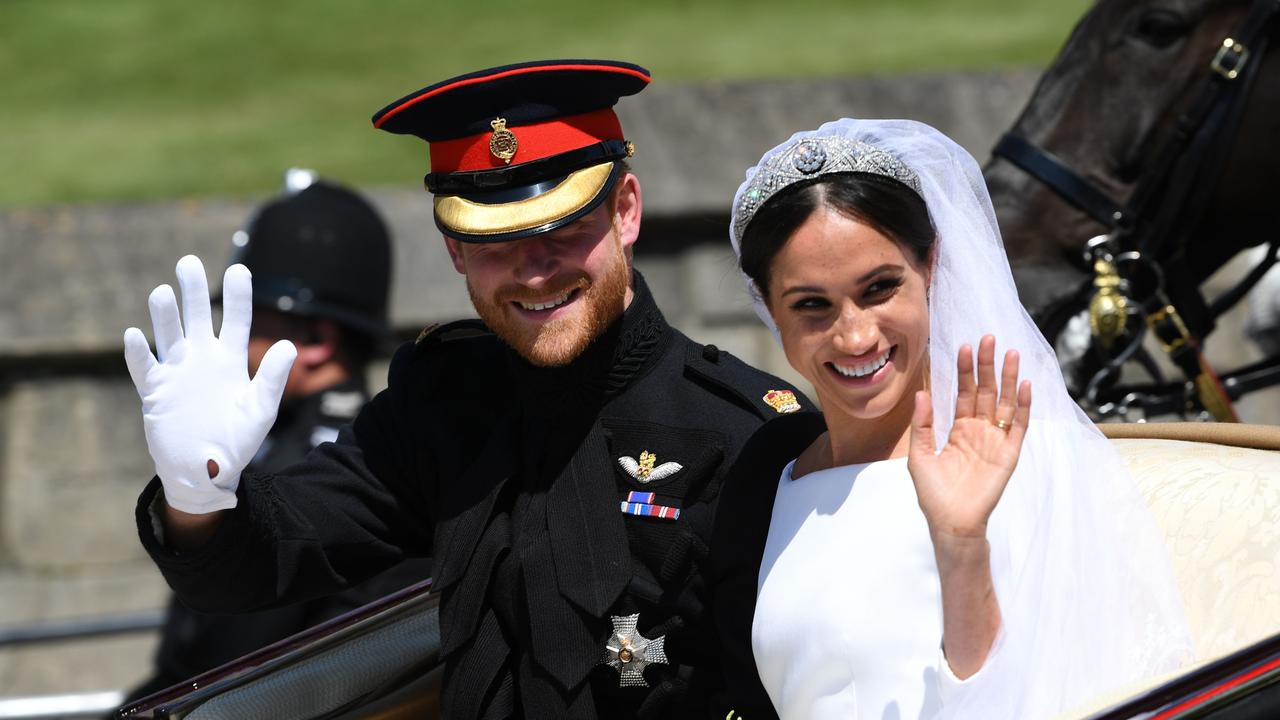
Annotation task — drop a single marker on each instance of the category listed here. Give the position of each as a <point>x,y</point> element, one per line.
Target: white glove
<point>198,403</point>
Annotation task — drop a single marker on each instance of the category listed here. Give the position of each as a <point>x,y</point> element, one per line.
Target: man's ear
<point>626,209</point>
<point>455,254</point>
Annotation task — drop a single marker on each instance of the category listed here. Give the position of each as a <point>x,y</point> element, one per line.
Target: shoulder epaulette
<point>451,331</point>
<point>765,394</point>
<point>427,347</point>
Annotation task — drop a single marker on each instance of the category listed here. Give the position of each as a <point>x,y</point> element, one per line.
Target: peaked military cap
<point>519,149</point>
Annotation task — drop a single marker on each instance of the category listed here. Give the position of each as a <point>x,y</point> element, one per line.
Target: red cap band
<point>533,142</point>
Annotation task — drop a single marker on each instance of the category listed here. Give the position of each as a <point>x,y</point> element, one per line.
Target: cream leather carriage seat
<point>1215,491</point>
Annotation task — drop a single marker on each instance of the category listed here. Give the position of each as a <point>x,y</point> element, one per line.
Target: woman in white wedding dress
<point>945,546</point>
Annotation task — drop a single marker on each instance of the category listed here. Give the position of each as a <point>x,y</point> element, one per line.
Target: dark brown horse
<point>1107,110</point>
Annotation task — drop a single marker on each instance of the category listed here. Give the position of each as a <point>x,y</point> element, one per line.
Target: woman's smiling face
<point>851,308</point>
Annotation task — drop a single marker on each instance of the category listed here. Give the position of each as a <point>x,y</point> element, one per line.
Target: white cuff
<point>201,496</point>
<point>950,686</point>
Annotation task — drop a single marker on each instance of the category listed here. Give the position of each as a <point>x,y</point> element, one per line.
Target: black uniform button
<point>711,353</point>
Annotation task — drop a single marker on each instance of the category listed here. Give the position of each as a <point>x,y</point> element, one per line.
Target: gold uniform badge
<point>502,143</point>
<point>784,401</point>
<point>643,469</point>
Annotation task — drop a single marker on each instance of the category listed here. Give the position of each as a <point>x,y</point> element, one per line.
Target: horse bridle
<point>1140,267</point>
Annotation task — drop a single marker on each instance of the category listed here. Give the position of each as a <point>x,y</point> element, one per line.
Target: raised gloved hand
<point>198,403</point>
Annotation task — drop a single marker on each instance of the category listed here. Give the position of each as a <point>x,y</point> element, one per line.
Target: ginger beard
<point>558,341</point>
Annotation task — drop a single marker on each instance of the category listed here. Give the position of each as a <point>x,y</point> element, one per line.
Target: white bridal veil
<point>1087,595</point>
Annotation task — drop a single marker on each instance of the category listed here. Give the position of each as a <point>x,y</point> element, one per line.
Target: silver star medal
<point>629,652</point>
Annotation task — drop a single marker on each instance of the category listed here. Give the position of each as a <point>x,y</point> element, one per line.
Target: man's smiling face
<point>551,295</point>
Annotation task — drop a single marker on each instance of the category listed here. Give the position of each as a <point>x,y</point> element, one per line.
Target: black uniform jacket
<point>733,568</point>
<point>194,642</point>
<point>513,479</point>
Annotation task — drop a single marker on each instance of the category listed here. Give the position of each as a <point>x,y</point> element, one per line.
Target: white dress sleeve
<point>951,688</point>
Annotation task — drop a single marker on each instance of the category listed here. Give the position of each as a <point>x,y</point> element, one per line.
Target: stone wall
<point>72,456</point>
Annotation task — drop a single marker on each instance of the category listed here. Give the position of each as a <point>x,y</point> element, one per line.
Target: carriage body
<point>1214,490</point>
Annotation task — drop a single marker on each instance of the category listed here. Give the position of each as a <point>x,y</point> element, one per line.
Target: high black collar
<point>625,351</point>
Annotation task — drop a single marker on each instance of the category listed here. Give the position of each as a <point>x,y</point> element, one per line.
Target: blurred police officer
<point>321,261</point>
<point>560,460</point>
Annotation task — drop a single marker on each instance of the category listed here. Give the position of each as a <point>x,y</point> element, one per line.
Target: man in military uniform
<point>321,259</point>
<point>559,460</point>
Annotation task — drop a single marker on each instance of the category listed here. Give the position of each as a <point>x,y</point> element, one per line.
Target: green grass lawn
<point>141,99</point>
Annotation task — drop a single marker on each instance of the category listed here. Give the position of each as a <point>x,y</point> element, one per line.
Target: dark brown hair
<point>885,204</point>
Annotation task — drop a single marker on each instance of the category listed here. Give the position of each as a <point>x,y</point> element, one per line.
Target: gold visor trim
<point>472,218</point>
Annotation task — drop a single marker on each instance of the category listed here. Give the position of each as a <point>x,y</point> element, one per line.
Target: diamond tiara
<point>813,157</point>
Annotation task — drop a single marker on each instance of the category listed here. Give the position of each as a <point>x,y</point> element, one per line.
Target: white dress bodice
<point>848,620</point>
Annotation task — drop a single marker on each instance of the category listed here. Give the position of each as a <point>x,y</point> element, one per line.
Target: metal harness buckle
<point>1159,316</point>
<point>1234,52</point>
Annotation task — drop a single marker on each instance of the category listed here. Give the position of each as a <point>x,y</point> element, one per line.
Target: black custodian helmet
<point>322,251</point>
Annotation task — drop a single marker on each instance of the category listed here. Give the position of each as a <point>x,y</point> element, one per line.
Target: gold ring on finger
<point>1003,425</point>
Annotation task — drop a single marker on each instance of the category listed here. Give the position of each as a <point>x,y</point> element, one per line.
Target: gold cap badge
<point>784,401</point>
<point>502,143</point>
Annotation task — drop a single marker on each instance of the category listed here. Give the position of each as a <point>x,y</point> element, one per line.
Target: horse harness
<point>1142,279</point>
